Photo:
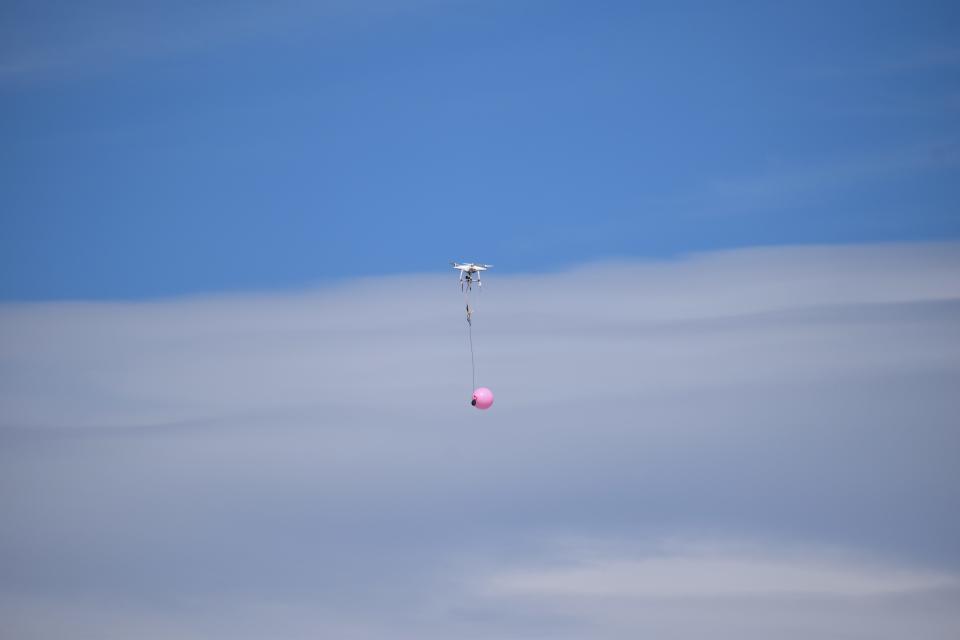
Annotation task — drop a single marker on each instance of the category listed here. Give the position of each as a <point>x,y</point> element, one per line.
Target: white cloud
<point>308,463</point>
<point>717,575</point>
<point>616,329</point>
<point>729,591</point>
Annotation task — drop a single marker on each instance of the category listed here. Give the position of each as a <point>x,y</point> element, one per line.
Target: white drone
<point>468,272</point>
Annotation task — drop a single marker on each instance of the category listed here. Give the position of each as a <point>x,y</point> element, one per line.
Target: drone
<point>468,272</point>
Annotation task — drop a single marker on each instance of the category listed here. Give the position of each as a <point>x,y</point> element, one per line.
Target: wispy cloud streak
<point>49,44</point>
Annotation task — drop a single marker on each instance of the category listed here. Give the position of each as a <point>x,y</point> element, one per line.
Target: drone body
<point>469,272</point>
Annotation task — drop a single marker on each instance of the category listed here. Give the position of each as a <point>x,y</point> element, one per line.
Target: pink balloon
<point>482,398</point>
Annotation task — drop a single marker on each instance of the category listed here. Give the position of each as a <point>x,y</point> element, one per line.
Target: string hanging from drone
<point>473,364</point>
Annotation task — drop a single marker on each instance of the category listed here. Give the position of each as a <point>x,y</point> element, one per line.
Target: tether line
<point>473,366</point>
<point>473,362</point>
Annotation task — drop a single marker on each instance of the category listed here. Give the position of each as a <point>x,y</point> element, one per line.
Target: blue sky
<point>204,148</point>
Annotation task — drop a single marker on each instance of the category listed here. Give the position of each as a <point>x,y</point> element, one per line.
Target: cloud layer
<point>751,443</point>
